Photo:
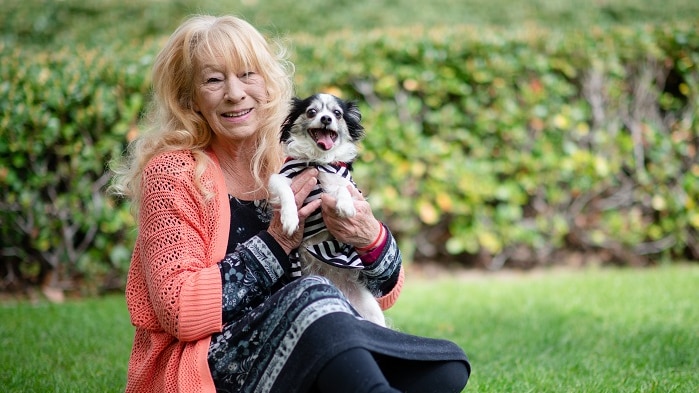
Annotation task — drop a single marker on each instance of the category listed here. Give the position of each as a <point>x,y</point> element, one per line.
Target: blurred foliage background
<point>500,133</point>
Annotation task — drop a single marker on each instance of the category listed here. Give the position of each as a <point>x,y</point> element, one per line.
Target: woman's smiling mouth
<point>231,115</point>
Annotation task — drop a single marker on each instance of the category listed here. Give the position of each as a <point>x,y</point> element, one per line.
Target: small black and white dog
<point>323,131</point>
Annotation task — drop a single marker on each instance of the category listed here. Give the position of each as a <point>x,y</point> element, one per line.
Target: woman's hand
<point>301,185</point>
<point>360,230</point>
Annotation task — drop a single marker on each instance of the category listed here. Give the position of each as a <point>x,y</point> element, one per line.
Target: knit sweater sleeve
<point>385,275</point>
<point>176,240</point>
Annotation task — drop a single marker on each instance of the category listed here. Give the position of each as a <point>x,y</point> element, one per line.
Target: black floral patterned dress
<point>280,330</point>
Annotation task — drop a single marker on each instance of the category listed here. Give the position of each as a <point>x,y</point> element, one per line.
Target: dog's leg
<point>345,203</point>
<point>280,189</point>
<point>350,283</point>
<point>367,305</point>
<point>336,186</point>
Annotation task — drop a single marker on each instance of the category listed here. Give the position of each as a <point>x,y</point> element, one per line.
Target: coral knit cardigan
<point>174,287</point>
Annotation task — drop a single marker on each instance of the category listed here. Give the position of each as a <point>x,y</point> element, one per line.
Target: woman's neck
<point>235,161</point>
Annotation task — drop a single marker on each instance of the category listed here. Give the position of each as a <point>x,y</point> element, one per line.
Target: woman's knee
<point>453,375</point>
<point>426,376</point>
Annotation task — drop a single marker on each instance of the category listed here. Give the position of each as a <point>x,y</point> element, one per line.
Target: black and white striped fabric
<point>332,251</point>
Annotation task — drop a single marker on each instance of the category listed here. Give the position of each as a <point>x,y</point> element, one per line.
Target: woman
<point>210,289</point>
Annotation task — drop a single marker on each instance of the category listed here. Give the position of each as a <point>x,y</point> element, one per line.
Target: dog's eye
<point>312,112</point>
<point>337,113</point>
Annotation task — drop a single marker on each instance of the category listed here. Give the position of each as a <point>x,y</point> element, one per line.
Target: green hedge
<point>65,114</point>
<point>514,146</point>
<point>483,145</point>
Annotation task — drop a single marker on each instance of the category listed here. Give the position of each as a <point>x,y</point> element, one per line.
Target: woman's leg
<point>353,371</point>
<point>424,376</point>
<point>249,354</point>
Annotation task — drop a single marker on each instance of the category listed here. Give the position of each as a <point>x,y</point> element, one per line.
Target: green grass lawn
<point>79,346</point>
<point>592,331</point>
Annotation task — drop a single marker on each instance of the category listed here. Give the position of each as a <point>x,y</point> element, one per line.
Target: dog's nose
<point>326,120</point>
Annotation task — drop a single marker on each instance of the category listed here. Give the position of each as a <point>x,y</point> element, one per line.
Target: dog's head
<point>322,128</point>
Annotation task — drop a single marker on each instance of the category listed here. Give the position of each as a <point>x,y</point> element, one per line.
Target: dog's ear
<point>353,118</point>
<point>295,110</point>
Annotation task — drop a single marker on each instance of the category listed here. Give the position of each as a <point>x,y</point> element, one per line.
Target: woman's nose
<point>235,89</point>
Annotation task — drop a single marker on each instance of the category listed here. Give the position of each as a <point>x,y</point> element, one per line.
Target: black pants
<point>358,371</point>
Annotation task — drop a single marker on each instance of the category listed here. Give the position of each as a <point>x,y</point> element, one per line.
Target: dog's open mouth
<point>324,138</point>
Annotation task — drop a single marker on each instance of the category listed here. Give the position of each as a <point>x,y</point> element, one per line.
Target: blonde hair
<point>173,124</point>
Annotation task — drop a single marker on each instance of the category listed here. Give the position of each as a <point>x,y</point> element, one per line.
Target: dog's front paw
<point>290,221</point>
<point>345,207</point>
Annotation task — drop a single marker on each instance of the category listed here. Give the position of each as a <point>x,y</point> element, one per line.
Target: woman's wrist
<point>378,240</point>
<point>282,241</point>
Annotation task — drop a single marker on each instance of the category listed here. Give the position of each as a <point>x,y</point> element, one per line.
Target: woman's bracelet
<point>376,241</point>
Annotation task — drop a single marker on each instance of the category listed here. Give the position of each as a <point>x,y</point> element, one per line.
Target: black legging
<point>358,371</point>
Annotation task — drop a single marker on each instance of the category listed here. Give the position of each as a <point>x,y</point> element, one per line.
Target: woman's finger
<point>298,182</point>
<point>355,193</point>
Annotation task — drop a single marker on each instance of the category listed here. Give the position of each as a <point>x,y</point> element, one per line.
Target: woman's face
<point>229,100</point>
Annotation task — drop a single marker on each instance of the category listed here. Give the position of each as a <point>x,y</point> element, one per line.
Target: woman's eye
<point>247,74</point>
<point>213,80</point>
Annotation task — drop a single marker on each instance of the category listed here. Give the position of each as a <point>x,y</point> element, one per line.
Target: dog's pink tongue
<point>325,141</point>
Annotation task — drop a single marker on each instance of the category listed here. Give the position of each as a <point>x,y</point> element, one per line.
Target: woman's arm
<point>250,272</point>
<point>175,272</point>
<point>253,269</point>
<point>384,271</point>
<point>380,253</point>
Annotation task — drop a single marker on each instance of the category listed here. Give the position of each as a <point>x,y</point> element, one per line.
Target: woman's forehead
<point>229,62</point>
<point>226,57</point>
